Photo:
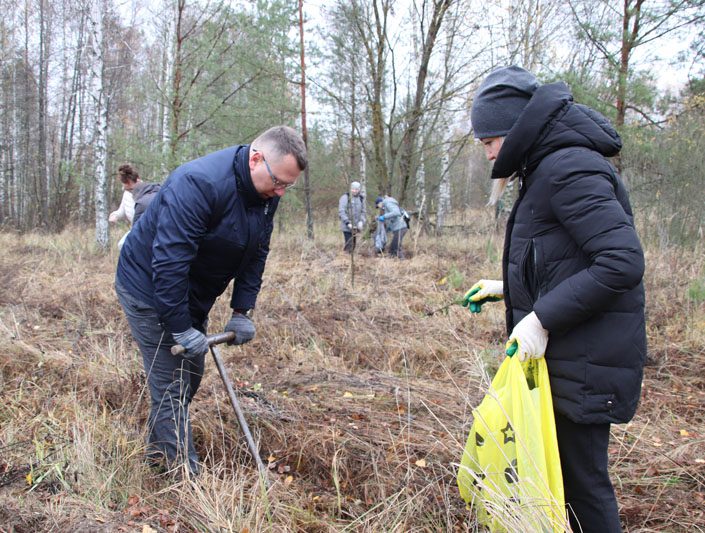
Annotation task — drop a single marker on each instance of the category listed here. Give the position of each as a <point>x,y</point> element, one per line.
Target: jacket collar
<point>245,187</point>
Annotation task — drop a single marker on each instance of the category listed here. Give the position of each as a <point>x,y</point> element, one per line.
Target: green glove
<point>485,290</point>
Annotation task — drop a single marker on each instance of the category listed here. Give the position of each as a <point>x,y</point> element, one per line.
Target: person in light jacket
<point>572,272</point>
<point>390,215</point>
<point>351,211</point>
<point>126,211</point>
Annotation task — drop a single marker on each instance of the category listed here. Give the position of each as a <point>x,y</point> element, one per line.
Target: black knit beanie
<point>500,100</point>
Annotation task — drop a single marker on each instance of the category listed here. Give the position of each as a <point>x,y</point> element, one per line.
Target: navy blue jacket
<point>572,255</point>
<point>206,226</point>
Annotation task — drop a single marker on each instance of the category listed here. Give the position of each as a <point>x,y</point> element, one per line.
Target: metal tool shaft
<point>240,415</point>
<point>213,340</point>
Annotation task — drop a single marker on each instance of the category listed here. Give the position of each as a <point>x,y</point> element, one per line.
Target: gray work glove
<point>349,226</point>
<point>243,328</point>
<point>359,226</point>
<point>193,341</point>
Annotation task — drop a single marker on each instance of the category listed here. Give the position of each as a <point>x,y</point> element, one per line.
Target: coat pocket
<point>529,271</point>
<point>600,403</point>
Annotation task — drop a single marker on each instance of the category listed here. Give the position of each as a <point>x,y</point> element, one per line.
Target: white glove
<point>113,217</point>
<point>489,288</point>
<point>359,226</point>
<point>485,290</point>
<point>528,339</point>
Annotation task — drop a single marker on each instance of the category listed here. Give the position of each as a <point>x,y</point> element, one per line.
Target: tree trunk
<point>440,7</point>
<point>42,173</point>
<point>420,200</point>
<point>444,190</point>
<point>374,38</point>
<point>100,122</point>
<point>177,69</point>
<point>304,131</point>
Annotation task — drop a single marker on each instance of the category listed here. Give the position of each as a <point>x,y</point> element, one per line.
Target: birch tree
<point>100,120</point>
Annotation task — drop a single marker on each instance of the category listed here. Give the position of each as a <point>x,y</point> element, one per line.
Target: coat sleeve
<point>343,209</point>
<point>586,205</point>
<point>185,209</point>
<point>391,211</point>
<point>249,281</point>
<point>121,212</point>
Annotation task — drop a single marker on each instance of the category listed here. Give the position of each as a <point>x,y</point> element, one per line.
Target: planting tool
<point>220,338</point>
<point>446,306</point>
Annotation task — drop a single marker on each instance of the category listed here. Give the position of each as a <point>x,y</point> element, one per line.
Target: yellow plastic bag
<point>510,471</point>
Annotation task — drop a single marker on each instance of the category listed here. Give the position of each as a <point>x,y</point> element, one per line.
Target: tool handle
<point>218,338</point>
<point>240,416</point>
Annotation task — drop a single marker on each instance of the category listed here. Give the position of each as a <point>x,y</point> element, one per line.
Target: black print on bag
<point>508,433</point>
<point>479,441</point>
<point>510,473</point>
<point>476,480</point>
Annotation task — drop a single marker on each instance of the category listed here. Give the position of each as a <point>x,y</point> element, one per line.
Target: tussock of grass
<point>349,391</point>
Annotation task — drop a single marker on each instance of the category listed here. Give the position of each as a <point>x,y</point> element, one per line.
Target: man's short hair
<point>283,140</point>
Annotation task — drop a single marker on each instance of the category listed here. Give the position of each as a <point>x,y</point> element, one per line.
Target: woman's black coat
<point>572,255</point>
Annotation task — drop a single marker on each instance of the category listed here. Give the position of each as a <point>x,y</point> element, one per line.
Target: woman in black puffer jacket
<point>572,268</point>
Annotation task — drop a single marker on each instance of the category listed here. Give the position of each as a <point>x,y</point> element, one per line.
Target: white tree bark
<point>444,187</point>
<point>100,122</point>
<point>363,171</point>
<point>420,198</point>
<point>166,82</point>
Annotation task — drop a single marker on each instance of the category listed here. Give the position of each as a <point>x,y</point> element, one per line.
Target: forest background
<point>87,86</point>
<point>360,383</point>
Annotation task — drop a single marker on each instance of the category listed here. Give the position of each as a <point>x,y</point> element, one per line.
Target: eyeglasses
<point>278,184</point>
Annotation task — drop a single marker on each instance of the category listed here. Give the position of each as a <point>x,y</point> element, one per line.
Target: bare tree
<point>429,31</point>
<point>370,20</point>
<point>617,33</point>
<point>41,177</point>
<point>304,130</point>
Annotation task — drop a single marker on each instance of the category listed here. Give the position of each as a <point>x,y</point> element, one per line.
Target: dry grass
<point>359,399</point>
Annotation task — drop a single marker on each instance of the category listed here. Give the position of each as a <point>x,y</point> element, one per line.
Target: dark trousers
<point>395,248</point>
<point>349,240</point>
<point>589,495</point>
<point>173,382</point>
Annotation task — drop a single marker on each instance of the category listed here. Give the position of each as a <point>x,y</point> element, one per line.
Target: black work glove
<point>243,328</point>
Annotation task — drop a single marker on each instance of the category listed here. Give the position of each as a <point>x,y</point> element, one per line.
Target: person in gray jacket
<point>351,211</point>
<point>143,193</point>
<point>394,223</point>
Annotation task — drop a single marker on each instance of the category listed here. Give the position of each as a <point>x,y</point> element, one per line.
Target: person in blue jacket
<point>572,272</point>
<point>210,223</point>
<point>390,216</point>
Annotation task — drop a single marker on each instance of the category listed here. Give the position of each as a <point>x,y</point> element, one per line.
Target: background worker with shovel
<point>211,222</point>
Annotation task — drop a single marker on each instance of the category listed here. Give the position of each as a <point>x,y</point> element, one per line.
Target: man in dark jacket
<point>210,222</point>
<point>572,268</point>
